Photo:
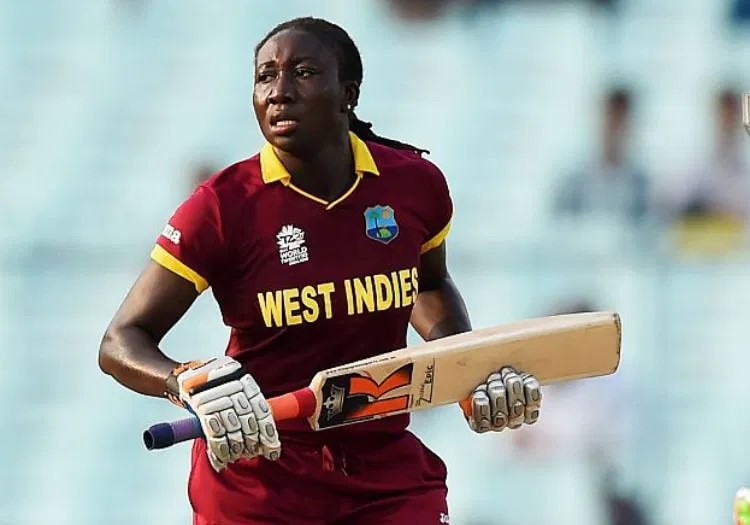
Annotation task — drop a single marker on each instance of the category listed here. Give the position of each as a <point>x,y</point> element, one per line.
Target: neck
<point>327,172</point>
<point>613,153</point>
<point>726,143</point>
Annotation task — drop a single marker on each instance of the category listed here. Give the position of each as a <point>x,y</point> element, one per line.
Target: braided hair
<point>350,68</point>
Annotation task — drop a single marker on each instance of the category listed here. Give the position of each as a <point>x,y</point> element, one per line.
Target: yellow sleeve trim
<point>437,239</point>
<point>172,263</point>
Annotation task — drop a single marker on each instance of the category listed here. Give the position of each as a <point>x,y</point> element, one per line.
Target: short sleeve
<point>192,241</point>
<point>439,214</point>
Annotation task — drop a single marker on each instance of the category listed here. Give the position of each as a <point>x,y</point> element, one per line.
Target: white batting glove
<point>235,417</point>
<point>508,399</point>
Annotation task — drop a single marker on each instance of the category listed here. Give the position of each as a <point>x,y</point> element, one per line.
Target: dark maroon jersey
<point>305,284</point>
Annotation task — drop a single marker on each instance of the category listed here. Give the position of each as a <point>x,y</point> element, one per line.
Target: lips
<point>283,123</point>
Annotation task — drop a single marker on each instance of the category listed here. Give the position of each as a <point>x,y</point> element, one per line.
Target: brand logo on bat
<point>335,401</point>
<point>353,397</point>
<point>425,389</point>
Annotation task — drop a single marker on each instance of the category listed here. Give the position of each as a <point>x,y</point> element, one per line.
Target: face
<point>728,115</point>
<point>617,118</point>
<point>298,99</point>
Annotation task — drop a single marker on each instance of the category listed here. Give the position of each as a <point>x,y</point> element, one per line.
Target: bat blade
<point>554,349</point>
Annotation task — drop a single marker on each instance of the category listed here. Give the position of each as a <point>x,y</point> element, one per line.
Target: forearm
<point>129,350</point>
<point>130,355</point>
<point>440,311</point>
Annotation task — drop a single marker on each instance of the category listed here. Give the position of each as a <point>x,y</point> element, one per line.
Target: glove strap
<point>171,387</point>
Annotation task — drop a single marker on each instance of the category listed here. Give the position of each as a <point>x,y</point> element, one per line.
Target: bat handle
<point>299,404</point>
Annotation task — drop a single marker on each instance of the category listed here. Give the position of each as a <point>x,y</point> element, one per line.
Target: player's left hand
<point>508,399</point>
<point>234,414</point>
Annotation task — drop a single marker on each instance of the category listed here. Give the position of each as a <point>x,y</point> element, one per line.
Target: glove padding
<point>508,399</point>
<point>233,413</point>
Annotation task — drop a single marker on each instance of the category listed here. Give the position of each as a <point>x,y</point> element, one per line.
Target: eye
<point>304,72</point>
<point>263,77</point>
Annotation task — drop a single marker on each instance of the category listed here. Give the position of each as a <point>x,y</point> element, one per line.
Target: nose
<point>283,89</point>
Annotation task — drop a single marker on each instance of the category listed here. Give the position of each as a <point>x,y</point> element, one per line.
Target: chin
<point>294,144</point>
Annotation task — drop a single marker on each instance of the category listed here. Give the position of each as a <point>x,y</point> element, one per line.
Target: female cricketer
<point>319,250</point>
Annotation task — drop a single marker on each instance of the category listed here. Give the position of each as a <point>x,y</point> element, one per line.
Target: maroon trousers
<point>391,479</point>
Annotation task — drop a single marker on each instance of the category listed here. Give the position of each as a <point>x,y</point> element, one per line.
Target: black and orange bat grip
<point>299,404</point>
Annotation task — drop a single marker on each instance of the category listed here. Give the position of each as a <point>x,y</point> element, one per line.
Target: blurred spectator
<point>597,435</point>
<point>418,10</point>
<point>721,184</point>
<point>739,12</point>
<point>624,510</point>
<point>611,183</point>
<point>711,202</point>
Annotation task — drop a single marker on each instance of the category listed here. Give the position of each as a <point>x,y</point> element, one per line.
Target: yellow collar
<point>273,170</point>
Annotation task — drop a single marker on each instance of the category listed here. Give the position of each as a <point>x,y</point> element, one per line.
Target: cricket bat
<point>554,349</point>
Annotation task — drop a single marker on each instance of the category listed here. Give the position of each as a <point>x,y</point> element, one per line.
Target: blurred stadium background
<point>112,110</point>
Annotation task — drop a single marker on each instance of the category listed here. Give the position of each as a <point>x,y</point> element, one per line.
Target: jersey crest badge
<point>380,224</point>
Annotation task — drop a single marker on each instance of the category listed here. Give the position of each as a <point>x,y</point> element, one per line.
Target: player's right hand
<point>233,413</point>
<point>508,399</point>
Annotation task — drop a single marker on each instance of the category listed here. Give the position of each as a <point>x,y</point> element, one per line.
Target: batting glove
<point>508,399</point>
<point>233,413</point>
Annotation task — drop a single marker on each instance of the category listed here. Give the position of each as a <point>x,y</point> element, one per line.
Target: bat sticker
<point>425,389</point>
<point>355,397</point>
